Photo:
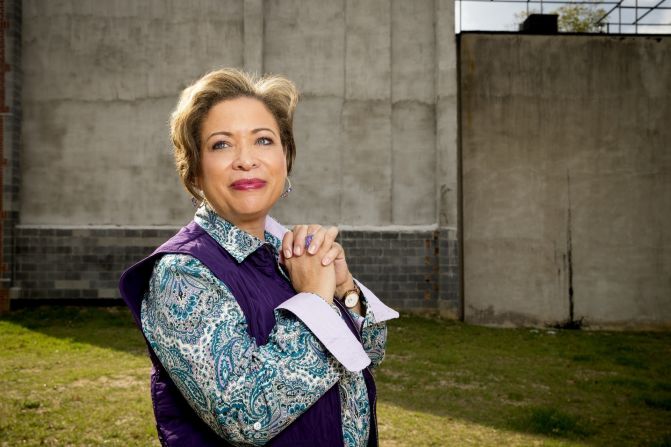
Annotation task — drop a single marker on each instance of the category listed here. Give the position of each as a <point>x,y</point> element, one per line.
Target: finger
<point>318,234</point>
<point>287,243</point>
<point>330,236</point>
<point>324,238</point>
<point>341,254</point>
<point>300,231</point>
<point>334,252</point>
<point>312,230</point>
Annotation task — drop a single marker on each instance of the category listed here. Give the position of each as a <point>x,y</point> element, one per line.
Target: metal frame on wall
<point>611,21</point>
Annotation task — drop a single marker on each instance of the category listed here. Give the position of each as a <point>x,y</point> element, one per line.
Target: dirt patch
<point>124,382</point>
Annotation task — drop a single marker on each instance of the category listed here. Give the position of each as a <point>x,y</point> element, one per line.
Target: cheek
<point>214,167</point>
<point>281,163</point>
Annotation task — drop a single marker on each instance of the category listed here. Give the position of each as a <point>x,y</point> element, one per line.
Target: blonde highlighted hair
<point>277,93</point>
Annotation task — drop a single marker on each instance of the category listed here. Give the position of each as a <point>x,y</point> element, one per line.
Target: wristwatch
<point>351,297</point>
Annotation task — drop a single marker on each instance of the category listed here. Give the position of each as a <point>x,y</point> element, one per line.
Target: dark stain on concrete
<point>569,251</point>
<point>488,316</point>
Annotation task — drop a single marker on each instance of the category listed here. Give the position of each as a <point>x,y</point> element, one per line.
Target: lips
<point>248,183</point>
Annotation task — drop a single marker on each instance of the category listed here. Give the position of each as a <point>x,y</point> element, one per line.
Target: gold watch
<point>351,297</point>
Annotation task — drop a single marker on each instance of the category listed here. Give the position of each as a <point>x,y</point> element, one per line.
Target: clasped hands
<point>321,268</point>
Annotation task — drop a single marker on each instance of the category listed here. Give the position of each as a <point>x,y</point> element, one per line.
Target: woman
<point>249,325</point>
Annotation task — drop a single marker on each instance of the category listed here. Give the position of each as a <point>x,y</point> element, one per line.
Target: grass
<point>483,386</point>
<point>80,377</point>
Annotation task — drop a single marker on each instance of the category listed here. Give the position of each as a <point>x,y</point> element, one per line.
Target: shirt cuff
<point>381,312</point>
<point>329,328</point>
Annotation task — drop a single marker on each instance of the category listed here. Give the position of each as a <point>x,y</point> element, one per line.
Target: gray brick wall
<point>79,263</point>
<point>401,268</point>
<point>410,271</point>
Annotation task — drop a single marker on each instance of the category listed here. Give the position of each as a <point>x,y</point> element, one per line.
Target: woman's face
<point>243,164</point>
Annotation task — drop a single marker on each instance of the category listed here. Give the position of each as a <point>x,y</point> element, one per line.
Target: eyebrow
<point>228,134</point>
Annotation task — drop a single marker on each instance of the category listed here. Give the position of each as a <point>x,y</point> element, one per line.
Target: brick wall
<point>412,271</point>
<point>77,263</point>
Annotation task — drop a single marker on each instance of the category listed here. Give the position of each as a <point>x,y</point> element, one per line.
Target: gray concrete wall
<point>100,79</point>
<point>566,179</point>
<point>375,131</point>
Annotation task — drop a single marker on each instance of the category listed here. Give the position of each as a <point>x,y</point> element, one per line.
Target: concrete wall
<point>375,130</point>
<point>100,80</point>
<point>566,179</point>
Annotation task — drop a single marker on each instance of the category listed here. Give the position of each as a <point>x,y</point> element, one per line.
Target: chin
<point>252,209</point>
<point>255,203</point>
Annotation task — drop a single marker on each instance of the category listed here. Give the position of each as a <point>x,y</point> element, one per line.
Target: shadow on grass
<point>578,387</point>
<point>551,422</point>
<point>106,327</point>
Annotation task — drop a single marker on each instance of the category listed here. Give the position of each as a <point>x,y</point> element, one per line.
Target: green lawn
<point>79,376</point>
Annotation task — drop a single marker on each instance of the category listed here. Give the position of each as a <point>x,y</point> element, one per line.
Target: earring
<point>288,190</point>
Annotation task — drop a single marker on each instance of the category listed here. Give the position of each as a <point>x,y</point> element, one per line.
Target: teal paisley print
<point>238,243</point>
<point>373,336</point>
<point>245,392</point>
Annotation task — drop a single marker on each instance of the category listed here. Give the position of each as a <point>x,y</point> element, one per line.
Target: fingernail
<point>326,261</point>
<point>312,249</point>
<point>287,253</point>
<point>297,250</point>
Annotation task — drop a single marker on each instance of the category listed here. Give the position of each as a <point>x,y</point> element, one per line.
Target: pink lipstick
<point>246,184</point>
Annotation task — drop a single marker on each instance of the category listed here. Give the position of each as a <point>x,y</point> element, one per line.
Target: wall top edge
<point>96,227</point>
<point>382,228</point>
<point>390,228</point>
<point>562,34</point>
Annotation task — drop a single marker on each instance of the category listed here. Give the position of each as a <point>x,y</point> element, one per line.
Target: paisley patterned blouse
<point>249,393</point>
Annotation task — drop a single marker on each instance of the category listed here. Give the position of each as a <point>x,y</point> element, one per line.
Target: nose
<point>245,158</point>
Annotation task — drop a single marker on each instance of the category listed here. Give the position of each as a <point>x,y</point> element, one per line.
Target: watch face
<point>351,299</point>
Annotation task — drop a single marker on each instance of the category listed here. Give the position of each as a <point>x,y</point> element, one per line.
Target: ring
<point>308,239</point>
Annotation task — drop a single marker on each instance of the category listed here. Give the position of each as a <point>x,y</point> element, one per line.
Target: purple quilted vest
<point>258,288</point>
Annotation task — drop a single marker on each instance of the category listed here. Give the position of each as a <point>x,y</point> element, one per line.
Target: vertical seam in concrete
<point>569,249</point>
<point>391,111</point>
<point>436,95</point>
<point>252,37</point>
<point>344,64</point>
<point>341,160</point>
<point>263,37</point>
<point>245,62</point>
<point>460,185</point>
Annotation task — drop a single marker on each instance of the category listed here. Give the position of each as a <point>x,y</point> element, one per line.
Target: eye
<point>220,145</point>
<point>264,141</point>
